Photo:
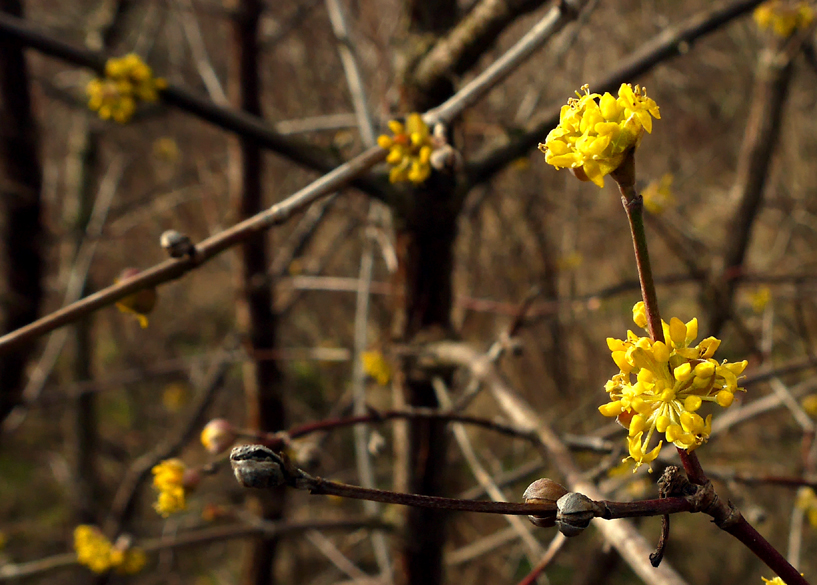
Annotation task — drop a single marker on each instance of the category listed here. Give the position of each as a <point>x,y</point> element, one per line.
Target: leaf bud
<point>574,513</point>
<point>256,466</point>
<point>541,491</point>
<point>176,244</point>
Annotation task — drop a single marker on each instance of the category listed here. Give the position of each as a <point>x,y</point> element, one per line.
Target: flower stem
<point>634,207</point>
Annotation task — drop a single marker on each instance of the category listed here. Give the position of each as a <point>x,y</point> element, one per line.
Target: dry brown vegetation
<point>527,226</point>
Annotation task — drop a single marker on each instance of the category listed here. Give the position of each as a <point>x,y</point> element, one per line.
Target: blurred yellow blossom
<point>127,81</point>
<point>376,366</point>
<point>175,396</point>
<point>658,196</point>
<point>571,261</point>
<point>760,298</point>
<point>775,581</point>
<point>672,381</point>
<point>168,480</point>
<point>520,164</point>
<point>166,149</point>
<point>807,501</point>
<point>596,131</point>
<point>140,303</point>
<point>409,148</point>
<point>784,16</point>
<point>809,404</point>
<point>97,553</point>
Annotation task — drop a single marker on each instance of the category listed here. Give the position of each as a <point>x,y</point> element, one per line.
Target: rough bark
<point>254,316</point>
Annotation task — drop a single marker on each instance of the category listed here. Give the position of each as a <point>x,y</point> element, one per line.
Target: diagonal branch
<point>460,49</point>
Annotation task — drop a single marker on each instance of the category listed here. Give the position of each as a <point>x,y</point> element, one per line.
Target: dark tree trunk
<point>20,186</point>
<point>255,319</point>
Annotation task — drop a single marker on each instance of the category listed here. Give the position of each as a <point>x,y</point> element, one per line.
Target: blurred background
<point>729,185</point>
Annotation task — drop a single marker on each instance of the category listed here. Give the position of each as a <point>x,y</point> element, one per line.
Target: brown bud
<point>541,491</point>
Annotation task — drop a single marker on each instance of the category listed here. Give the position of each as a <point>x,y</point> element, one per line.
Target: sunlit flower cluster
<point>98,554</point>
<point>807,501</point>
<point>775,581</point>
<point>596,131</point>
<point>672,381</point>
<point>410,150</point>
<point>784,16</point>
<point>168,480</point>
<point>127,80</point>
<point>376,366</point>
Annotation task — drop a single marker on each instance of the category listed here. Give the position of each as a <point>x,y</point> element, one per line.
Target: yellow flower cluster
<point>376,366</point>
<point>127,81</point>
<point>596,131</point>
<point>775,581</point>
<point>409,150</point>
<point>98,554</point>
<point>783,17</point>
<point>807,501</point>
<point>168,480</point>
<point>672,381</point>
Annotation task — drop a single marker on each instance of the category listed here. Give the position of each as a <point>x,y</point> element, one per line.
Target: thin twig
<point>523,530</point>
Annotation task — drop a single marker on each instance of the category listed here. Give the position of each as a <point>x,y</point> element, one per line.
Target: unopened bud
<point>176,244</point>
<point>574,513</point>
<point>541,491</point>
<point>256,466</point>
<point>217,436</point>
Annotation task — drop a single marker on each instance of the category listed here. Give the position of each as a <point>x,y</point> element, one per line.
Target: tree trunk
<point>254,316</point>
<point>20,186</point>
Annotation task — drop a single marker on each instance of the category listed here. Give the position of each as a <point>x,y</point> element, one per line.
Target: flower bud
<point>542,491</point>
<point>256,466</point>
<point>217,435</point>
<point>574,513</point>
<point>176,244</point>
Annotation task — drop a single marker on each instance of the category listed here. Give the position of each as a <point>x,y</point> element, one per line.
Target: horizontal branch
<point>18,571</point>
<point>256,466</point>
